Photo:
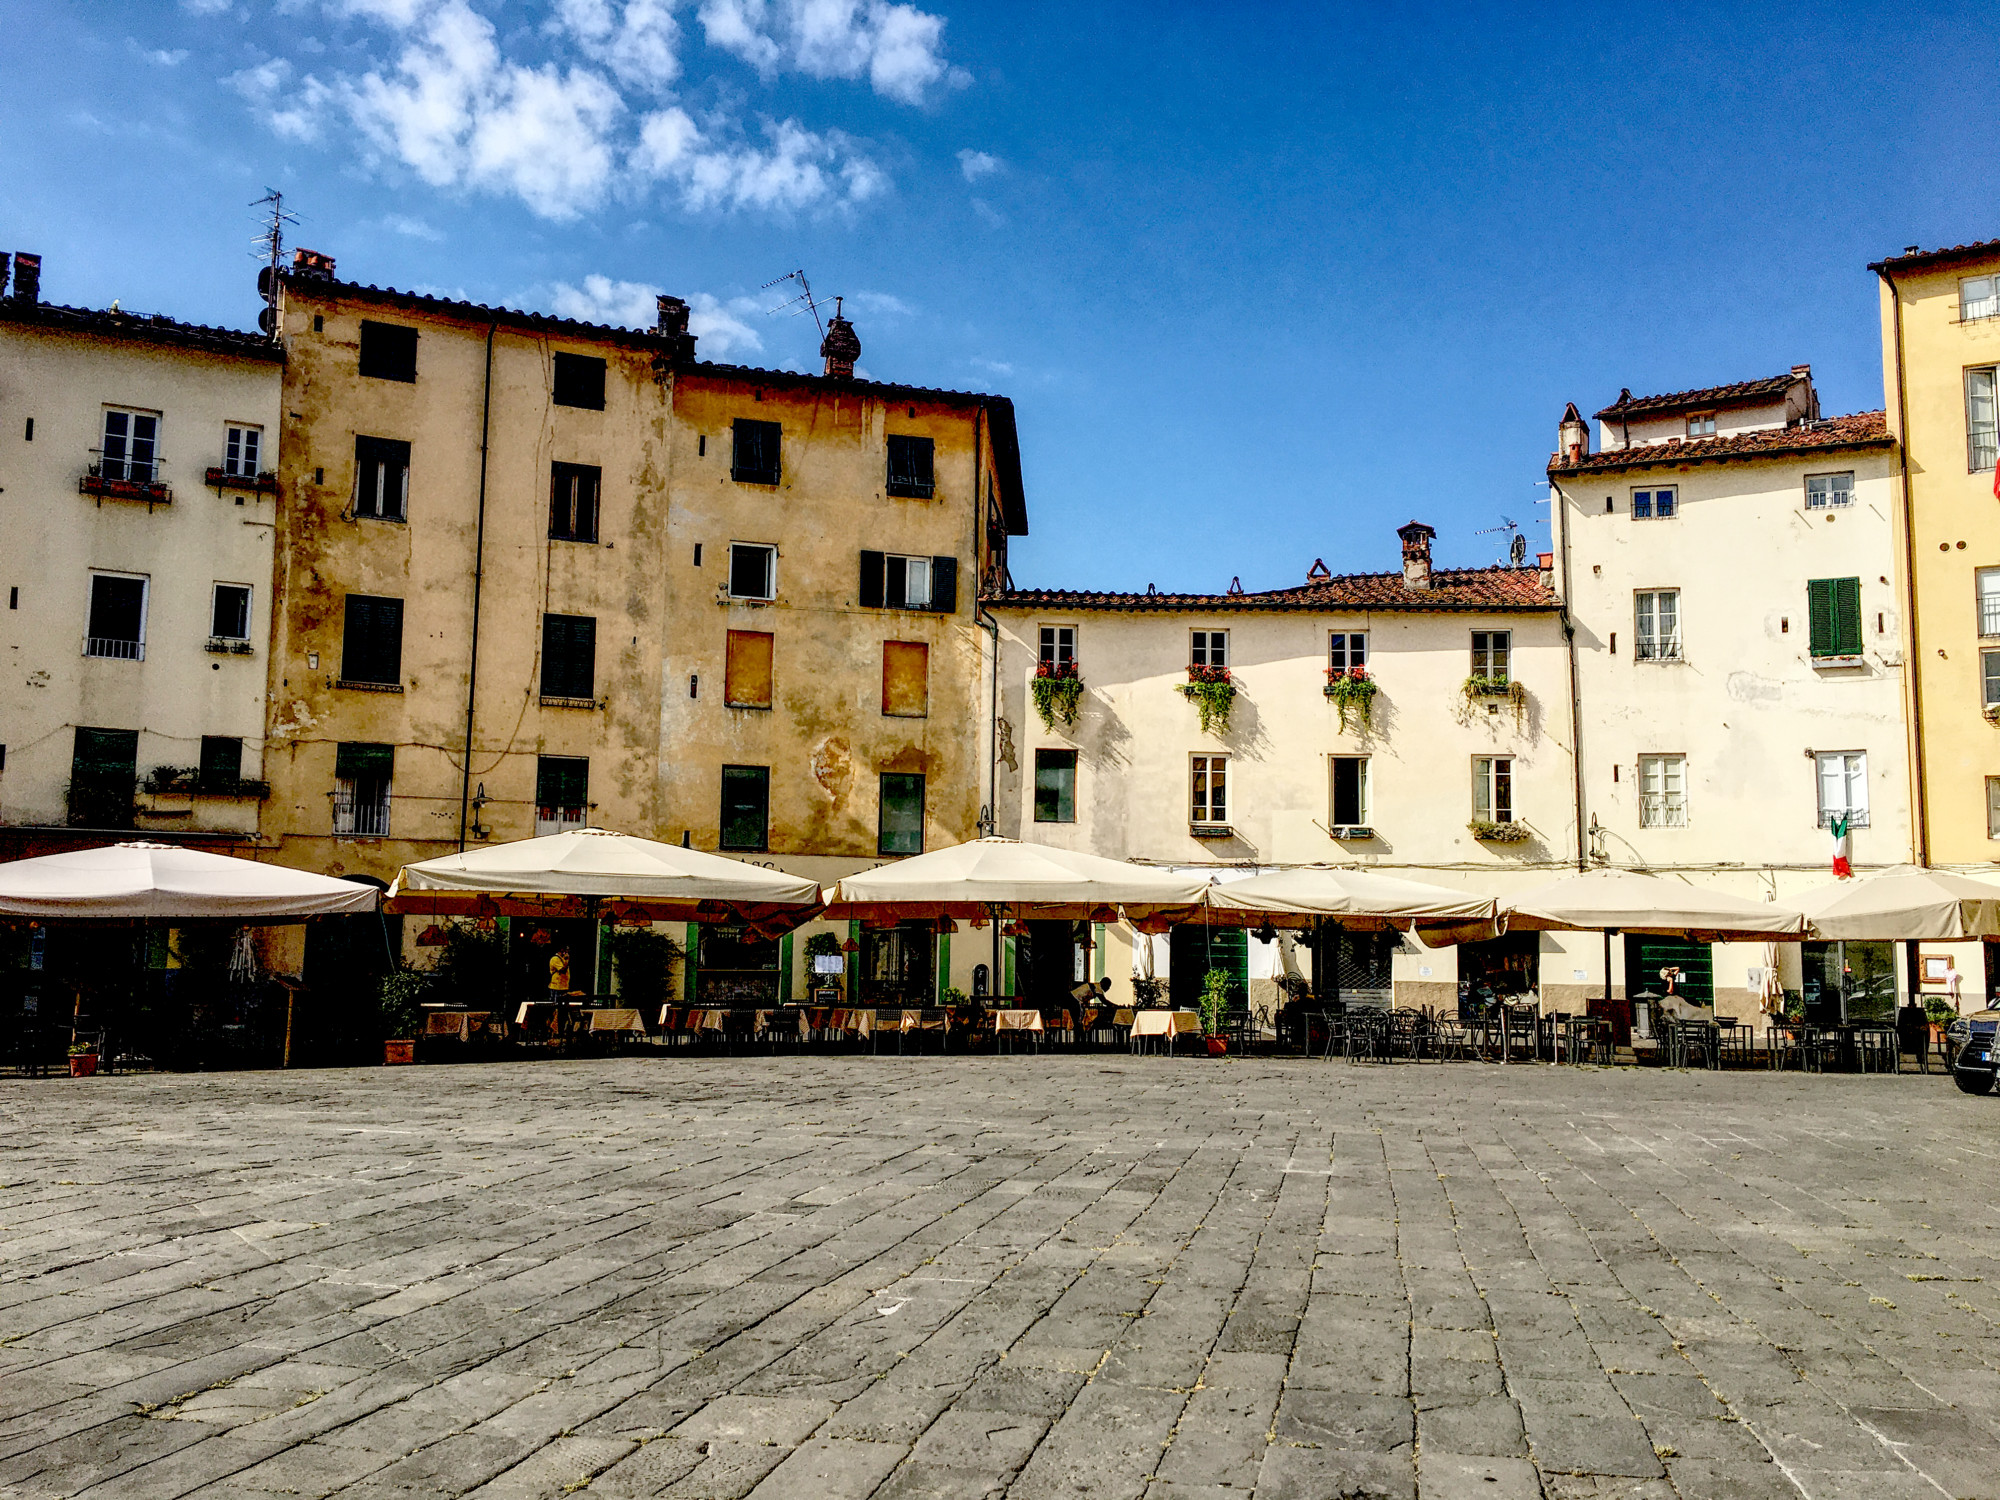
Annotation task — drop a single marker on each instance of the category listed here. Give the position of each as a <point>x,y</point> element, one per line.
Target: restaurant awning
<point>141,880</point>
<point>1904,904</point>
<point>1633,901</point>
<point>1357,900</point>
<point>1023,881</point>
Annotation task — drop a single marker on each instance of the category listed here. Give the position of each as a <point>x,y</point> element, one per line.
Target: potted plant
<point>1941,1013</point>
<point>1213,1004</point>
<point>1058,690</point>
<point>1212,691</point>
<point>83,1060</point>
<point>399,1007</point>
<point>1500,833</point>
<point>1352,689</point>
<point>1148,992</point>
<point>1478,688</point>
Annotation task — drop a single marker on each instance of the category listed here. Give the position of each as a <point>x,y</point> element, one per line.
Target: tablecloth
<point>616,1018</point>
<point>1017,1020</point>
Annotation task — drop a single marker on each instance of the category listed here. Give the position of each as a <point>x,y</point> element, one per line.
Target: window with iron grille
<point>1493,655</point>
<point>372,641</point>
<point>1493,789</point>
<point>229,616</point>
<point>131,447</point>
<point>1986,583</point>
<point>579,381</point>
<point>388,351</point>
<point>1055,786</point>
<point>1989,679</point>
<point>1208,790</point>
<point>1663,791</point>
<point>117,623</point>
<point>363,775</point>
<point>1657,622</point>
<point>242,451</point>
<point>746,807</point>
<point>1702,425</point>
<point>756,458</point>
<point>569,657</point>
<point>1829,491</point>
<point>573,490</point>
<point>910,467</point>
<point>1978,297</point>
<point>900,820</point>
<point>562,793</point>
<point>1208,648</point>
<point>381,479</point>
<point>1982,440</point>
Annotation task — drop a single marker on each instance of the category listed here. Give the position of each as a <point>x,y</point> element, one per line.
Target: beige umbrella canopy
<point>1632,901</point>
<point>1358,900</point>
<point>1025,881</point>
<point>1904,904</point>
<point>594,872</point>
<point>147,880</point>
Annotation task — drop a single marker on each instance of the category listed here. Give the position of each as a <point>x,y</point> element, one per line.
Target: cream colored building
<point>1729,558</point>
<point>137,507</point>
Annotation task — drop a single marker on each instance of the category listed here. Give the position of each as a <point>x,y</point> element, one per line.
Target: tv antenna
<point>802,303</point>
<point>269,247</point>
<point>1517,545</point>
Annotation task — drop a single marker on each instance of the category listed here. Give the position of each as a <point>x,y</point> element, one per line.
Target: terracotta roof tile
<point>1465,590</point>
<point>1741,393</point>
<point>143,328</point>
<point>1917,260</point>
<point>1866,429</point>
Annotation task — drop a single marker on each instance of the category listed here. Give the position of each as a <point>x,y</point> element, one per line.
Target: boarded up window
<point>746,677</point>
<point>906,679</point>
<point>388,351</point>
<point>579,381</point>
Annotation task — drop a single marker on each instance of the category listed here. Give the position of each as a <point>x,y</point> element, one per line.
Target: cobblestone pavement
<point>825,1278</point>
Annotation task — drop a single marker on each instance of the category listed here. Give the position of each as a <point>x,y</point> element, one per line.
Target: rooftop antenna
<point>1517,544</point>
<point>803,303</point>
<point>269,247</point>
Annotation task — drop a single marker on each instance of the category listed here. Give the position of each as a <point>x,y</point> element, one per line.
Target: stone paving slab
<point>1039,1278</point>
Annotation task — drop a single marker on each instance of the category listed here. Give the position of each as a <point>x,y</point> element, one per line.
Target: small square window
<point>1208,648</point>
<point>1979,297</point>
<point>753,571</point>
<point>1347,650</point>
<point>388,351</point>
<point>1493,656</point>
<point>1702,425</point>
<point>578,381</point>
<point>1058,645</point>
<point>1829,491</point>
<point>229,618</point>
<point>221,765</point>
<point>242,451</point>
<point>1055,786</point>
<point>1653,505</point>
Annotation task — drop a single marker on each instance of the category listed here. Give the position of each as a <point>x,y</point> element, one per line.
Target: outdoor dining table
<point>1026,1022</point>
<point>617,1019</point>
<point>1165,1024</point>
<point>462,1024</point>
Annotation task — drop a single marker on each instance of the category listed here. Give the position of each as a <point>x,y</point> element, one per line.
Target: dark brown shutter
<point>871,580</point>
<point>944,585</point>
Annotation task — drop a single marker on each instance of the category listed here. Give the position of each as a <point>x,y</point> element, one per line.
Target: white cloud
<point>205,7</point>
<point>797,169</point>
<point>977,164</point>
<point>719,326</point>
<point>986,211</point>
<point>415,229</point>
<point>159,56</point>
<point>638,41</point>
<point>896,47</point>
<point>881,305</point>
<point>295,112</point>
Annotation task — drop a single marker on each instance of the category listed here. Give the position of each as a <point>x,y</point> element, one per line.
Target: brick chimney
<point>27,277</point>
<point>312,263</point>
<point>1573,437</point>
<point>841,346</point>
<point>1416,538</point>
<point>673,324</point>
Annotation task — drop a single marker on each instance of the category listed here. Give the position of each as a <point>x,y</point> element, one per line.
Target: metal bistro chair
<point>1877,1049</point>
<point>1409,1033</point>
<point>1692,1038</point>
<point>1789,1044</point>
<point>1520,1029</point>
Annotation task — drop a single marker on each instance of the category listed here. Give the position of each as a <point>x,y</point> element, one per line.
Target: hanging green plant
<point>1478,689</point>
<point>1212,692</point>
<point>1058,691</point>
<point>1500,833</point>
<point>1352,690</point>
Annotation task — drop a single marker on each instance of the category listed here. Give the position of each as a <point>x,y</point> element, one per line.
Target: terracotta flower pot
<point>403,1051</point>
<point>83,1065</point>
<point>1218,1046</point>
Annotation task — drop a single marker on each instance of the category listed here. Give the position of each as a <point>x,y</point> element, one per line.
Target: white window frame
<point>125,465</point>
<point>1055,644</point>
<point>1652,511</point>
<point>138,653</point>
<point>770,552</point>
<point>1650,641</point>
<point>249,605</point>
<point>1364,791</point>
<point>1830,495</point>
<point>1208,648</point>
<point>1989,678</point>
<point>1208,802</point>
<point>1663,799</point>
<point>1701,424</point>
<point>1493,788</point>
<point>354,818</point>
<point>236,463</point>
<point>1986,601</point>
<point>1973,306</point>
<point>913,568</point>
<point>1847,770</point>
<point>1346,650</point>
<point>1497,652</point>
<point>1993,807</point>
<point>1982,418</point>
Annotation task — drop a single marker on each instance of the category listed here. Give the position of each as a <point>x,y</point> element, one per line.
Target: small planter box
<point>398,1052</point>
<point>83,1065</point>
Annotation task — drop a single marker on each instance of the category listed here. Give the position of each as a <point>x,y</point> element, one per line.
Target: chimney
<point>1545,562</point>
<point>1573,436</point>
<point>312,263</point>
<point>841,346</point>
<point>27,277</point>
<point>1416,539</point>
<point>673,325</point>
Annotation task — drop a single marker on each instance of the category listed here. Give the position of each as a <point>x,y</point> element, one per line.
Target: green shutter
<point>1820,616</point>
<point>1847,616</point>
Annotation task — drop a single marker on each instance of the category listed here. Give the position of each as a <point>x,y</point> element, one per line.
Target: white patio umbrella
<point>596,872</point>
<point>1904,904</point>
<point>1358,900</point>
<point>996,876</point>
<point>142,880</point>
<point>1633,901</point>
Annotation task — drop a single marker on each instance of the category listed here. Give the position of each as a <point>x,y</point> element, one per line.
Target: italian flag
<point>1843,846</point>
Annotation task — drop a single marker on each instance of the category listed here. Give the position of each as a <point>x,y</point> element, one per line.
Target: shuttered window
<point>569,657</point>
<point>579,381</point>
<point>103,774</point>
<point>1833,607</point>
<point>747,669</point>
<point>910,467</point>
<point>891,580</point>
<point>756,459</point>
<point>906,681</point>
<point>372,643</point>
<point>573,502</point>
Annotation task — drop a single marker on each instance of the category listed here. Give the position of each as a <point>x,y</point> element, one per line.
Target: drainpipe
<point>1557,508</point>
<point>1920,811</point>
<point>478,578</point>
<point>979,504</point>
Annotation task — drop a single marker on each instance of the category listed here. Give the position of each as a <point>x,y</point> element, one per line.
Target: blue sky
<point>1263,281</point>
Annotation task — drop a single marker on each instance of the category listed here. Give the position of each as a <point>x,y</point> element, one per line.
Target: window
<point>131,447</point>
<point>1208,802</point>
<point>573,492</point>
<point>892,581</point>
<point>242,451</point>
<point>746,807</point>
<point>1493,789</point>
<point>103,775</point>
<point>569,658</point>
<point>901,818</point>
<point>1702,425</point>
<point>1055,786</point>
<point>1833,612</point>
<point>910,472</point>
<point>1492,655</point>
<point>1058,645</point>
<point>1993,807</point>
<point>388,351</point>
<point>1843,787</point>
<point>1347,650</point>
<point>381,479</point>
<point>562,791</point>
<point>221,763</point>
<point>747,669</point>
<point>1978,297</point>
<point>1657,617</point>
<point>1663,791</point>
<point>372,645</point>
<point>1989,678</point>
<point>1653,505</point>
<point>1829,491</point>
<point>362,776</point>
<point>1350,791</point>
<point>1987,583</point>
<point>756,458</point>
<point>1982,442</point>
<point>229,616</point>
<point>117,626</point>
<point>906,682</point>
<point>1208,648</point>
<point>753,571</point>
<point>579,381</point>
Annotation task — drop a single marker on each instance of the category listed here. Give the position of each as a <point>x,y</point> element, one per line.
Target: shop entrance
<point>1849,983</point>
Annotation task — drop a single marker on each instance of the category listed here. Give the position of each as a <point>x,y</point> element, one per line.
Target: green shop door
<point>1646,957</point>
<point>1194,950</point>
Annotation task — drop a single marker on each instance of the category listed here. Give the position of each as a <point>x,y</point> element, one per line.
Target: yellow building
<point>1940,349</point>
<point>536,573</point>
